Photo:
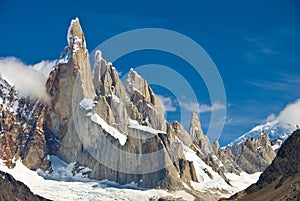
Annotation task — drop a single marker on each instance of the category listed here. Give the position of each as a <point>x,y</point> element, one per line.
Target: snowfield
<point>61,185</point>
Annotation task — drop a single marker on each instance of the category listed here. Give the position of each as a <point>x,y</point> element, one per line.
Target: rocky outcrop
<point>252,155</point>
<point>105,127</point>
<point>145,107</point>
<point>12,190</point>
<point>21,129</point>
<point>110,93</point>
<point>69,82</point>
<point>280,181</point>
<point>207,152</point>
<point>198,136</point>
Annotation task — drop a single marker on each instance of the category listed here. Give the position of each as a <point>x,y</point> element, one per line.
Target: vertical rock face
<point>21,129</point>
<point>89,125</point>
<point>110,92</point>
<point>68,84</point>
<point>198,136</point>
<point>145,108</point>
<point>253,155</point>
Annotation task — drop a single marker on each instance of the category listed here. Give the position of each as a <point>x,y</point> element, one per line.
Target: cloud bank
<point>290,114</point>
<point>29,80</point>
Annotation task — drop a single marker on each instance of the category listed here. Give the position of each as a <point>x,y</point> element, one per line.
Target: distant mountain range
<point>277,132</point>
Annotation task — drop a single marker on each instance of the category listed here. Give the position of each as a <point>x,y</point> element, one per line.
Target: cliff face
<point>252,155</point>
<point>146,108</point>
<point>21,129</point>
<point>116,131</point>
<point>280,181</point>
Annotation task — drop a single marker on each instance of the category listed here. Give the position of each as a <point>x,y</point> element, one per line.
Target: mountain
<point>255,150</point>
<point>116,132</point>
<point>11,190</point>
<point>276,130</point>
<point>281,180</point>
<point>252,155</point>
<point>21,130</point>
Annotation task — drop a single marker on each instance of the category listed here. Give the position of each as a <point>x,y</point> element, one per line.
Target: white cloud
<point>271,117</point>
<point>45,67</point>
<point>28,80</point>
<point>166,103</point>
<point>200,108</point>
<point>290,114</point>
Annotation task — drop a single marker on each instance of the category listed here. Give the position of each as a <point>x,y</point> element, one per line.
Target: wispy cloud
<point>261,43</point>
<point>199,107</point>
<point>27,80</point>
<point>271,117</point>
<point>284,83</point>
<point>166,103</point>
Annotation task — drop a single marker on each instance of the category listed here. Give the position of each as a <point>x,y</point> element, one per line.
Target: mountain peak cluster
<point>118,131</point>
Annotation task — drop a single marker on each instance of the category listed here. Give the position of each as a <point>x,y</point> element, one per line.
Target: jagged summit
<point>115,130</point>
<point>75,34</point>
<point>197,134</point>
<point>277,132</point>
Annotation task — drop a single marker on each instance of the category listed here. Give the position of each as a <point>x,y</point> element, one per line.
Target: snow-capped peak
<point>275,129</point>
<point>70,34</point>
<point>278,127</point>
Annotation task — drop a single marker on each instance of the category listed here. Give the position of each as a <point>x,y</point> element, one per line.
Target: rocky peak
<point>215,146</point>
<point>135,83</point>
<point>145,103</point>
<point>106,78</point>
<point>195,127</point>
<point>74,61</point>
<point>75,35</point>
<point>111,95</point>
<point>198,136</point>
<point>182,134</point>
<point>251,155</point>
<point>68,84</point>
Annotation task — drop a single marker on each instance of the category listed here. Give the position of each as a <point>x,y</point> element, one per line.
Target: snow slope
<point>62,185</point>
<point>211,181</point>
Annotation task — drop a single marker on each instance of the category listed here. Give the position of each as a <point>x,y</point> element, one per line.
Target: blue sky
<point>254,44</point>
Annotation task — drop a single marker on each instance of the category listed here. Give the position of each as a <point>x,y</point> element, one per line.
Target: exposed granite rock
<point>253,155</point>
<point>68,84</point>
<point>198,136</point>
<point>83,140</point>
<point>215,147</point>
<point>21,129</point>
<point>182,134</point>
<point>110,92</point>
<point>67,129</point>
<point>203,147</point>
<point>34,154</point>
<point>144,102</point>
